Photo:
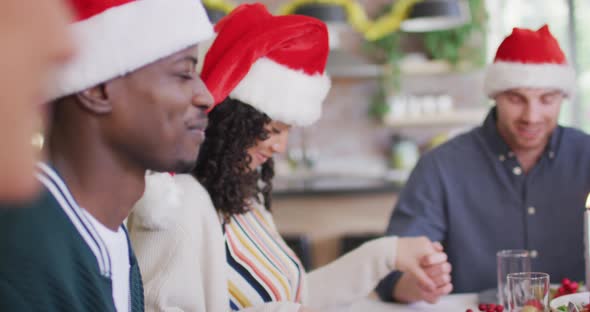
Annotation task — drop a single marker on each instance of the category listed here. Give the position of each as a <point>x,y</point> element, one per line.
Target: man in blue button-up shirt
<point>519,181</point>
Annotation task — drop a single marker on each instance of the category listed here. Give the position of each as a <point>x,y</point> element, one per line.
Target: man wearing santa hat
<point>519,181</point>
<point>130,100</point>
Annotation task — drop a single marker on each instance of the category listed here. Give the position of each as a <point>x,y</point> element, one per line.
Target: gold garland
<point>356,15</point>
<point>219,5</point>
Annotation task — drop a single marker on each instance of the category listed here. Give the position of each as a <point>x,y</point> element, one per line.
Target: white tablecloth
<point>451,303</point>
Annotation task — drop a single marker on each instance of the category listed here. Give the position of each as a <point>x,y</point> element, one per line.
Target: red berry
<point>469,310</point>
<point>491,306</point>
<point>566,281</point>
<point>499,308</point>
<point>481,307</point>
<point>574,287</point>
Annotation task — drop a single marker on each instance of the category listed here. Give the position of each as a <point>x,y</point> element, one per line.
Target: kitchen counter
<point>333,186</point>
<point>326,215</point>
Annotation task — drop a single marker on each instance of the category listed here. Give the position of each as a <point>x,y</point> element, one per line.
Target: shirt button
<point>534,254</point>
<point>517,170</point>
<point>502,157</point>
<point>510,154</point>
<point>551,154</point>
<point>532,210</point>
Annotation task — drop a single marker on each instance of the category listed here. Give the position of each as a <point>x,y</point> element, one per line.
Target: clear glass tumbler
<point>529,291</point>
<point>510,261</point>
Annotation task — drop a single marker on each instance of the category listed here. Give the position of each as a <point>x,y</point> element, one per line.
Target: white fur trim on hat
<point>502,76</point>
<point>128,37</point>
<point>284,94</point>
<point>161,196</point>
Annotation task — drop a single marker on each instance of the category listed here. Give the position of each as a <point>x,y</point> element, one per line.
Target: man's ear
<point>95,100</point>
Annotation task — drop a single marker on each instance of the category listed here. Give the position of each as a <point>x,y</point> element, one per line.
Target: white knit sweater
<point>178,240</point>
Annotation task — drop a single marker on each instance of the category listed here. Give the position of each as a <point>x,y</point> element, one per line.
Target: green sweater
<point>47,263</point>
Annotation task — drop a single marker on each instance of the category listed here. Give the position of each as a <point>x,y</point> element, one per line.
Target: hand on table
<point>426,271</point>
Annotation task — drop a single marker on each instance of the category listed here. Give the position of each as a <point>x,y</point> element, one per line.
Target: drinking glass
<point>510,261</point>
<point>529,291</point>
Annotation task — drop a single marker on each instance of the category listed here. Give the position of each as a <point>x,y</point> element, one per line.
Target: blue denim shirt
<point>471,194</point>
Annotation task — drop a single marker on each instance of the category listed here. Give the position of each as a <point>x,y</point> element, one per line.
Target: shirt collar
<point>499,146</point>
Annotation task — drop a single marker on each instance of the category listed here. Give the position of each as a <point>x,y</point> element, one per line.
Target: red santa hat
<point>274,63</point>
<point>115,37</point>
<point>530,59</point>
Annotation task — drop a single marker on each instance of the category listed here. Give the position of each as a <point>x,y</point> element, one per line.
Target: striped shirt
<point>262,268</point>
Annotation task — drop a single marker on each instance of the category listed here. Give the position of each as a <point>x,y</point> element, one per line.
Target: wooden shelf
<point>355,71</point>
<point>455,118</point>
<point>346,65</point>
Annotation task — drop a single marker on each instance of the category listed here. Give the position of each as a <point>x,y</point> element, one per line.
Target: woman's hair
<point>223,162</point>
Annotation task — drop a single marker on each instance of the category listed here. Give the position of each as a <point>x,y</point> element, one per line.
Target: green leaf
<point>449,44</point>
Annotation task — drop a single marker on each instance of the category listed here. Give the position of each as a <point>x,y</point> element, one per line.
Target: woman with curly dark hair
<point>266,74</point>
<point>285,85</point>
<point>232,165</point>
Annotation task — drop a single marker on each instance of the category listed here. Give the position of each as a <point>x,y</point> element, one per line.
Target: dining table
<point>450,303</point>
